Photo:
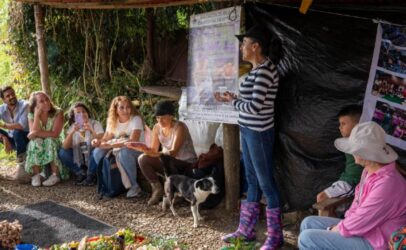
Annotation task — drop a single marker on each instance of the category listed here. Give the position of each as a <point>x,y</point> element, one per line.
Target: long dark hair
<point>71,113</point>
<point>271,48</point>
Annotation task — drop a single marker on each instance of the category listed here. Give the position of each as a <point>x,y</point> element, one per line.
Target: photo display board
<point>213,64</point>
<point>385,97</point>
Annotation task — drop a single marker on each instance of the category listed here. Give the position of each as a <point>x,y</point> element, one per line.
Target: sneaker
<point>36,180</point>
<point>52,180</point>
<point>134,191</point>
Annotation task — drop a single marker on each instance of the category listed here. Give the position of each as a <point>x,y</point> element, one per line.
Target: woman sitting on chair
<point>378,208</point>
<point>175,139</point>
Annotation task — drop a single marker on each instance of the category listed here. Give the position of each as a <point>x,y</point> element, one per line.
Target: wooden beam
<point>42,52</point>
<point>231,137</point>
<point>116,4</point>
<point>171,92</point>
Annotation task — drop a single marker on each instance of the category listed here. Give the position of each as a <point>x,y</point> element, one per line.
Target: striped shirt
<point>257,97</point>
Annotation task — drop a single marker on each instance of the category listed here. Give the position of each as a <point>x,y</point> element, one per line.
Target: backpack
<point>109,178</point>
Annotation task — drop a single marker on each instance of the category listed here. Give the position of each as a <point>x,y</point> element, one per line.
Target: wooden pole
<point>42,52</point>
<point>231,165</point>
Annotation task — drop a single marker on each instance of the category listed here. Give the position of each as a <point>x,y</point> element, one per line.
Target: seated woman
<point>76,148</point>
<point>124,124</point>
<point>45,122</point>
<point>175,139</point>
<point>379,207</point>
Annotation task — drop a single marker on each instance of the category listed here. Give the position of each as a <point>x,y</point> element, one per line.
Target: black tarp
<point>326,66</point>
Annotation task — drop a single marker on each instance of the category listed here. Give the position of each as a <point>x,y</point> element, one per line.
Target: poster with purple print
<point>385,97</point>
<point>213,64</point>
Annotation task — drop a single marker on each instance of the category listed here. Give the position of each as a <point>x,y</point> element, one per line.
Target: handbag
<point>212,157</point>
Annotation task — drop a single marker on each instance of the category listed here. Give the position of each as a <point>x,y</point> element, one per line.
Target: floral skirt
<point>41,152</point>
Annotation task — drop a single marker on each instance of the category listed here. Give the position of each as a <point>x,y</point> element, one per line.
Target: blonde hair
<point>112,117</point>
<point>32,103</point>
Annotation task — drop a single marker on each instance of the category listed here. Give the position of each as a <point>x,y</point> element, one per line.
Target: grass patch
<point>6,157</point>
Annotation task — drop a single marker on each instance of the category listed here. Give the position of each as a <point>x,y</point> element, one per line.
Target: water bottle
<point>84,148</point>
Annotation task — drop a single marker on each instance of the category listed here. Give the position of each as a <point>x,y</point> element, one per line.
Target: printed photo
<point>394,33</point>
<point>392,58</point>
<point>391,119</point>
<point>389,87</point>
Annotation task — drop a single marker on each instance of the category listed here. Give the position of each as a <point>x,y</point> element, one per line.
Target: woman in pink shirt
<point>379,206</point>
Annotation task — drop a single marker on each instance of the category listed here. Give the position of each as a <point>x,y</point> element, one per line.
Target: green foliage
<point>165,244</point>
<point>5,60</point>
<point>240,244</point>
<point>93,55</point>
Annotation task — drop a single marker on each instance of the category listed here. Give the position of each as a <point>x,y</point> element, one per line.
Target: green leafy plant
<point>240,244</point>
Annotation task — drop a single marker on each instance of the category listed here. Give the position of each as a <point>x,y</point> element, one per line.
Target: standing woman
<point>45,122</point>
<point>256,120</point>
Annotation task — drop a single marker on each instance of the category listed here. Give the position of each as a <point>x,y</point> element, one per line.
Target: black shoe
<point>80,177</point>
<point>89,181</point>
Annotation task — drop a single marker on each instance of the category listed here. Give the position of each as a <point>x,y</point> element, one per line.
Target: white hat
<point>367,140</point>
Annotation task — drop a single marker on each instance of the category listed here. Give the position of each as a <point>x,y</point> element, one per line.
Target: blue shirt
<point>20,114</point>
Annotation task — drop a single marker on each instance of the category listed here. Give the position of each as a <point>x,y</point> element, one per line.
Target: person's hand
<point>37,111</point>
<point>7,145</point>
<point>141,147</point>
<point>333,228</point>
<point>88,127</point>
<point>95,143</point>
<point>32,135</point>
<point>226,97</point>
<point>76,127</point>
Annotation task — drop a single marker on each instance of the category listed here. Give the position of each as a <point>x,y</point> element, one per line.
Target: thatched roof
<point>120,4</point>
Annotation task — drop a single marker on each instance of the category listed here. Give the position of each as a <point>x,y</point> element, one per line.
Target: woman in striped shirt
<point>256,119</point>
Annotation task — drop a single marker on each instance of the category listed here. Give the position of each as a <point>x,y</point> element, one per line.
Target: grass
<point>6,158</point>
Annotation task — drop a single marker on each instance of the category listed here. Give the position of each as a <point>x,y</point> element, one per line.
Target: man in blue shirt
<point>14,123</point>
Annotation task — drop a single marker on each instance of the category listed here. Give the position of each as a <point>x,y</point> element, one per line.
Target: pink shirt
<point>381,208</point>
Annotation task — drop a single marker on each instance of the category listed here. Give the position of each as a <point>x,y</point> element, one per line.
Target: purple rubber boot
<point>274,229</point>
<point>249,214</point>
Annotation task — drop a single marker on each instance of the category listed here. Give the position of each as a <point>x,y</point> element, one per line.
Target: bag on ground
<point>109,181</point>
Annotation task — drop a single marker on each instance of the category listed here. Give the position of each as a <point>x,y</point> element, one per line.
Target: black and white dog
<point>194,191</point>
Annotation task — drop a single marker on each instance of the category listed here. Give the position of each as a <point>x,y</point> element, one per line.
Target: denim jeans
<point>257,150</point>
<point>128,160</point>
<point>19,141</point>
<point>97,155</point>
<point>314,235</point>
<point>66,158</point>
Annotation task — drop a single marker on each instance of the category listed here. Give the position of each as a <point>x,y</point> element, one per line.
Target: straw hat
<point>367,140</point>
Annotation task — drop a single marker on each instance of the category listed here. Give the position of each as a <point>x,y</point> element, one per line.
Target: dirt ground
<point>134,213</point>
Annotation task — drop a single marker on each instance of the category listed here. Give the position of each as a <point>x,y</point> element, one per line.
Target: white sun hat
<point>367,140</point>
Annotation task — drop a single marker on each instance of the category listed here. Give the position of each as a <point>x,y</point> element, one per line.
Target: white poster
<point>385,97</point>
<point>213,64</point>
